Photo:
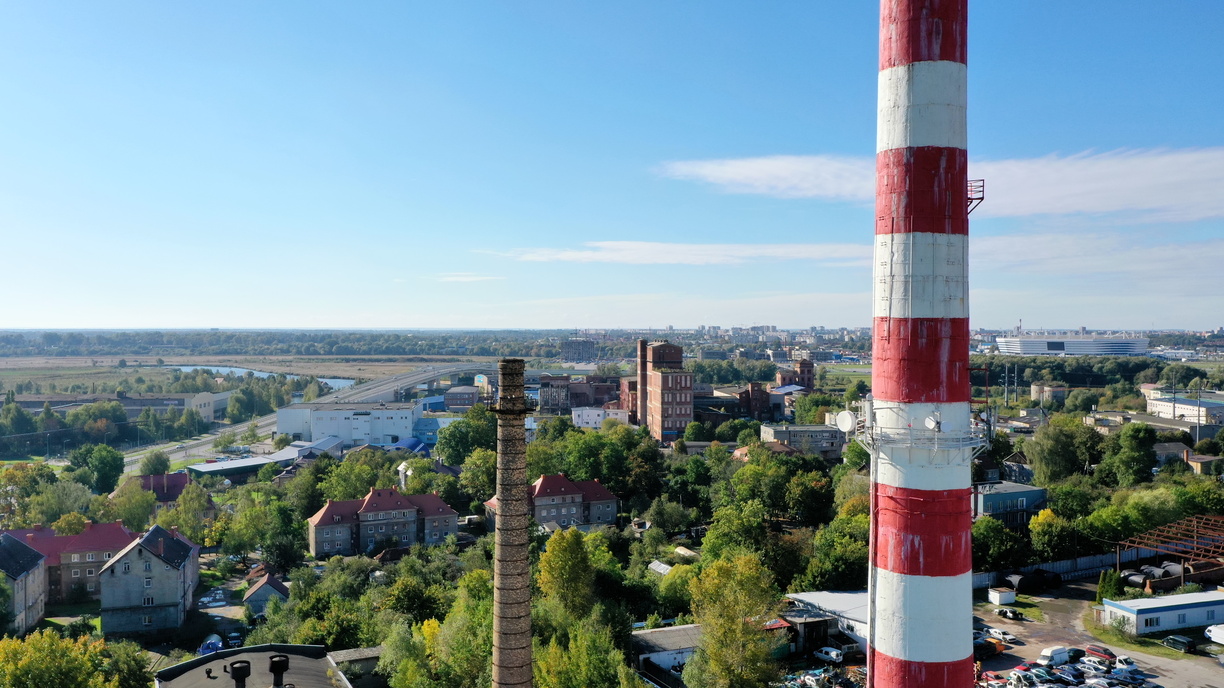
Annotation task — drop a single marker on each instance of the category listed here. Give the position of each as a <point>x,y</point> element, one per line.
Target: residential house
<point>1017,469</point>
<point>353,526</point>
<point>25,574</point>
<point>1012,503</point>
<point>1206,465</point>
<point>167,488</point>
<point>825,440</point>
<point>74,562</point>
<point>557,499</point>
<point>1171,451</point>
<point>148,585</point>
<point>263,590</point>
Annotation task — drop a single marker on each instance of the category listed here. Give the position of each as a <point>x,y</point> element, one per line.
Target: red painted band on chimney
<point>917,32</point>
<point>891,671</point>
<point>920,360</point>
<point>922,190</point>
<point>922,532</point>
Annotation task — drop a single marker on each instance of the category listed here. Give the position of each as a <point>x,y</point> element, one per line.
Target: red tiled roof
<point>432,505</point>
<point>382,499</point>
<point>269,581</point>
<point>379,499</point>
<point>346,509</point>
<point>167,487</point>
<point>97,537</point>
<point>553,486</point>
<point>593,491</point>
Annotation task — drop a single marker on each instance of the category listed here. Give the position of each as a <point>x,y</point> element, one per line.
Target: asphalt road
<point>1064,612</point>
<point>369,391</point>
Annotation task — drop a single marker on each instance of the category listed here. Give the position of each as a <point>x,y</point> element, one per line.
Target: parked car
<point>1126,663</point>
<point>1021,679</point>
<point>1074,654</point>
<point>1009,613</point>
<point>1180,643</point>
<point>1097,665</point>
<point>980,635</point>
<point>234,639</point>
<point>1100,651</point>
<point>1215,633</point>
<point>1101,683</point>
<point>829,654</point>
<point>1071,672</point>
<point>1046,675</point>
<point>1002,635</point>
<point>1025,666</point>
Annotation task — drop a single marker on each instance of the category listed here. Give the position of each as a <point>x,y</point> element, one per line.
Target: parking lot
<point>1064,626</point>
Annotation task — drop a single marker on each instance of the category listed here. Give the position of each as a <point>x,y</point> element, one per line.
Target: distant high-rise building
<point>578,350</point>
<point>667,392</point>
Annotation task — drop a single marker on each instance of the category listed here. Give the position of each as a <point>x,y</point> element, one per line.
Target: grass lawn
<point>210,578</point>
<point>1121,642</point>
<point>90,607</point>
<point>1024,603</point>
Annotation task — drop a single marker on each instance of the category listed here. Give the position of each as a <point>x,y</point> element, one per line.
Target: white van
<point>1054,656</point>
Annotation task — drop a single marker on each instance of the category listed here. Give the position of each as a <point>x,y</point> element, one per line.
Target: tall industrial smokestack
<point>922,445</point>
<point>641,383</point>
<point>511,564</point>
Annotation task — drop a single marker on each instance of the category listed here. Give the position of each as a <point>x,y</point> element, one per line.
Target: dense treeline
<point>526,344</point>
<point>1092,371</point>
<point>738,371</point>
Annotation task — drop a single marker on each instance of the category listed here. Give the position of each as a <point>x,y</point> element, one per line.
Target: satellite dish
<point>846,421</point>
<point>932,423</point>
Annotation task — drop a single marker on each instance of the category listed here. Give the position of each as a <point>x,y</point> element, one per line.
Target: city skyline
<point>548,166</point>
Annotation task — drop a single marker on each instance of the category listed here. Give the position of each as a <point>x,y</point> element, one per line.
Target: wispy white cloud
<point>786,176</point>
<point>662,253</point>
<point>1099,253</point>
<point>466,277</point>
<point>1151,185</point>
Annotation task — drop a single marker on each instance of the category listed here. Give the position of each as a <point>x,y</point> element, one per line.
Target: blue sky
<point>557,164</point>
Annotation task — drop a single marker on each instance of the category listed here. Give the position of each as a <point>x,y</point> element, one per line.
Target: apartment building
<point>148,585</point>
<point>557,499</point>
<point>355,526</point>
<point>25,575</point>
<point>74,563</point>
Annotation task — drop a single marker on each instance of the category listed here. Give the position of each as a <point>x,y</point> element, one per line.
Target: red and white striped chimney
<point>921,569</point>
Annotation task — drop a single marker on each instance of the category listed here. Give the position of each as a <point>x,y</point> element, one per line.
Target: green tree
<point>811,409</point>
<point>71,523</point>
<point>1209,447</point>
<point>281,441</point>
<point>155,463</point>
<point>251,435</point>
<point>1081,401</point>
<point>696,432</point>
<point>476,430</point>
<point>188,514</point>
<point>44,658</point>
<point>735,528</point>
<point>839,556</point>
<point>127,665</point>
<point>224,441</point>
<point>54,500</point>
<point>1051,452</point>
<point>566,574</point>
<point>479,476</point>
<point>463,648</point>
<point>1053,537</point>
<point>589,659</point>
<point>809,497</point>
<point>733,599</point>
<point>133,505</point>
<point>995,547</point>
<point>856,456</point>
<point>107,465</point>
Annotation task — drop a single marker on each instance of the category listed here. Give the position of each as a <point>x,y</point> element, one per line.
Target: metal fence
<point>1069,569</point>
